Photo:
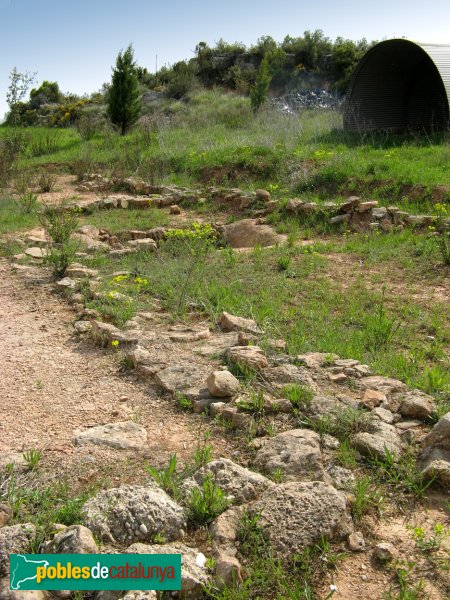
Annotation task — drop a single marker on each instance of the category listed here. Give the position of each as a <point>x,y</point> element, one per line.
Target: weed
<point>346,455</point>
<point>402,473</point>
<point>255,404</point>
<point>167,478</point>
<point>409,587</point>
<point>46,182</point>
<point>284,262</point>
<point>277,475</point>
<point>204,451</point>
<point>367,497</point>
<point>60,256</point>
<point>183,402</point>
<point>299,395</point>
<point>433,542</point>
<point>59,223</point>
<point>32,458</point>
<point>379,327</point>
<point>206,502</point>
<point>28,203</point>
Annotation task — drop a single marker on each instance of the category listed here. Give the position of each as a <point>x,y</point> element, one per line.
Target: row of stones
<point>353,211</point>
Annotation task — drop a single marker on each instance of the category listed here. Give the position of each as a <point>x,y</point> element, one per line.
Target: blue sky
<point>76,42</point>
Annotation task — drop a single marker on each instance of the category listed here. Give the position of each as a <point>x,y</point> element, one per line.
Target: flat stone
<point>80,272</point>
<point>372,398</point>
<point>315,360</point>
<point>230,322</point>
<point>384,415</point>
<point>36,252</point>
<point>217,344</point>
<point>287,374</point>
<point>126,434</point>
<point>386,385</point>
<point>248,356</point>
<point>366,206</point>
<point>179,378</point>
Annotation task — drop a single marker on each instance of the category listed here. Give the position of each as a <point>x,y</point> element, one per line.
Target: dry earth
<point>53,383</point>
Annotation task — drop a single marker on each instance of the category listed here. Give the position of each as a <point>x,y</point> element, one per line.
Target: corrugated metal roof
<point>400,84</point>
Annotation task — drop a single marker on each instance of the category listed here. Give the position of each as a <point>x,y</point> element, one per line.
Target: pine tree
<point>260,90</point>
<point>123,97</point>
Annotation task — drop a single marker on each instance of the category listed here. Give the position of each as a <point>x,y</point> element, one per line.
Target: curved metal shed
<point>398,85</point>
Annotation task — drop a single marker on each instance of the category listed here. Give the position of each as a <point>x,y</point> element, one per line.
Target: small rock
<point>356,542</point>
<point>262,195</point>
<point>223,384</point>
<point>66,283</point>
<point>337,377</point>
<point>385,385</point>
<point>83,326</point>
<point>372,399</point>
<point>351,204</point>
<point>5,514</point>
<point>417,405</point>
<point>228,571</point>
<point>385,552</point>
<point>175,209</point>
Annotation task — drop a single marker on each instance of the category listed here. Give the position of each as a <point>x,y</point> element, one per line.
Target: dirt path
<point>53,383</point>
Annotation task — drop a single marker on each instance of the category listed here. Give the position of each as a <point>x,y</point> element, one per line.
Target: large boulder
<point>295,453</point>
<point>133,513</point>
<point>248,233</point>
<point>238,483</point>
<point>194,576</point>
<point>296,515</point>
<point>15,539</point>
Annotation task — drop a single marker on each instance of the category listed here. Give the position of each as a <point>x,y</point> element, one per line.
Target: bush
<point>28,203</point>
<point>59,224</point>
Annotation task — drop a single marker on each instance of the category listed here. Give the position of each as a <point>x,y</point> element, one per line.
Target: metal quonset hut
<point>398,85</point>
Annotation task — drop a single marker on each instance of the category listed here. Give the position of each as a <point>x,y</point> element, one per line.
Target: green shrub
<point>168,478</point>
<point>28,203</point>
<point>206,502</point>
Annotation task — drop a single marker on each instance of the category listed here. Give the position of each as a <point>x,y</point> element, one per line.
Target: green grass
<point>216,137</point>
<point>119,220</point>
<point>13,218</point>
<point>311,306</point>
